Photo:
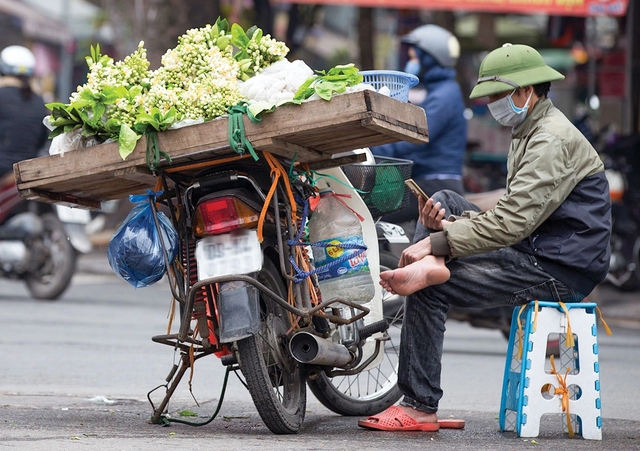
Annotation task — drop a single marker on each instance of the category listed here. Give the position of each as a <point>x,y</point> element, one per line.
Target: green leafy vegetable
<point>326,84</point>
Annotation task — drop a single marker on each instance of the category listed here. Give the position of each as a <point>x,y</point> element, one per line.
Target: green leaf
<point>252,31</point>
<point>88,130</point>
<point>55,105</point>
<point>187,413</point>
<point>305,90</point>
<point>110,94</point>
<point>135,91</point>
<point>168,119</point>
<point>238,37</point>
<point>98,110</point>
<point>60,113</point>
<point>112,127</point>
<point>56,131</point>
<point>325,89</point>
<point>223,41</point>
<point>87,94</point>
<point>82,102</point>
<point>62,121</point>
<point>222,25</point>
<point>256,109</point>
<point>127,141</point>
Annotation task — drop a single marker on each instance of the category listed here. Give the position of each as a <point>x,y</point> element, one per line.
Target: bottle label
<point>336,261</point>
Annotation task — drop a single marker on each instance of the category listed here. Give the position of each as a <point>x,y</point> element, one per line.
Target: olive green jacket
<point>550,164</point>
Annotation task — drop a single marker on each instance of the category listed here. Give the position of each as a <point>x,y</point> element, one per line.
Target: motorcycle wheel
<point>274,379</point>
<point>375,389</point>
<point>53,275</point>
<point>633,283</point>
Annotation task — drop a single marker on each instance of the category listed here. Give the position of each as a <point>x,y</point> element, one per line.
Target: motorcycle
<point>39,243</point>
<point>246,292</point>
<point>621,161</point>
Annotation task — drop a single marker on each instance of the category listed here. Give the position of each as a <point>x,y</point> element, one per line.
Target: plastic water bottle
<point>333,222</point>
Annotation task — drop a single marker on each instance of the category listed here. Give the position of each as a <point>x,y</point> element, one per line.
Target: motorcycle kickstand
<point>176,377</point>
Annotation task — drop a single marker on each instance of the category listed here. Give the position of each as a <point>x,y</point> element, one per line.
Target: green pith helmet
<point>512,66</point>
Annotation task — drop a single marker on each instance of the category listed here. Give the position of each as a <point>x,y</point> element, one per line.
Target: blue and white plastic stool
<point>533,386</point>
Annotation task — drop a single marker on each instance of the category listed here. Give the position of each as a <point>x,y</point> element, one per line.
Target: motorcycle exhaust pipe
<point>314,350</point>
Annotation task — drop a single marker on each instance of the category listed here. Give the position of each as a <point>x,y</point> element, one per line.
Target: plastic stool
<point>530,390</point>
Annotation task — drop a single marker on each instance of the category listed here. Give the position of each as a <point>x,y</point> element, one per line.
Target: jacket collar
<point>540,109</point>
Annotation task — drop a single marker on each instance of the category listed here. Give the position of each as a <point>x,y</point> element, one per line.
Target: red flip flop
<point>451,423</point>
<point>394,419</point>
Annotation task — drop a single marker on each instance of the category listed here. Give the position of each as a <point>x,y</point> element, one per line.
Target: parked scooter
<point>622,163</point>
<point>39,244</point>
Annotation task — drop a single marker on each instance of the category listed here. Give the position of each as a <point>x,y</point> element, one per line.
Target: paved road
<point>75,373</point>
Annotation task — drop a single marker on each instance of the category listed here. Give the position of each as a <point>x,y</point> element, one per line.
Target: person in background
<point>22,133</point>
<point>437,165</point>
<point>547,237</point>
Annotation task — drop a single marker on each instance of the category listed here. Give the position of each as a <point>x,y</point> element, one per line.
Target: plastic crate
<point>381,184</point>
<point>399,83</point>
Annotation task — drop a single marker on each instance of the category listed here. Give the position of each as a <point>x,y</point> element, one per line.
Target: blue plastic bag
<point>135,251</point>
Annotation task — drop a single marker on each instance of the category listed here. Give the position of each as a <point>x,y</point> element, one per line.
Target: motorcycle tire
<point>275,380</point>
<point>375,389</point>
<point>53,276</point>
<point>633,283</point>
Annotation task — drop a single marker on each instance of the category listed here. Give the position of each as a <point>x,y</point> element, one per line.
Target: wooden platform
<point>313,131</point>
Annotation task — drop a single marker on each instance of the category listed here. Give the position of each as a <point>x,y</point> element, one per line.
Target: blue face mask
<point>413,67</point>
<point>507,113</point>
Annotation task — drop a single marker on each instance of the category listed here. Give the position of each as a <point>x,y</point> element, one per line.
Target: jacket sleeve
<point>437,107</point>
<point>542,179</point>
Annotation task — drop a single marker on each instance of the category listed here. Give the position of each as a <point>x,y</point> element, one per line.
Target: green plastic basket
<point>382,184</point>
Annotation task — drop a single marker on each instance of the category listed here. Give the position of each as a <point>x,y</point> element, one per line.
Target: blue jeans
<point>505,277</point>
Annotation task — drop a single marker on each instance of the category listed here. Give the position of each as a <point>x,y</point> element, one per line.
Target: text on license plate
<point>237,252</point>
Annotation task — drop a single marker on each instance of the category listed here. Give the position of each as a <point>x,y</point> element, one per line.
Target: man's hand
<point>431,214</point>
<point>415,252</point>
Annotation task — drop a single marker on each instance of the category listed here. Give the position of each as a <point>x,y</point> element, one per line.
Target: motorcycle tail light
<point>223,215</point>
<point>616,185</point>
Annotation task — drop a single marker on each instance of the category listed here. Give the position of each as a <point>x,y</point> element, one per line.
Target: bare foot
<point>429,270</point>
<point>419,415</point>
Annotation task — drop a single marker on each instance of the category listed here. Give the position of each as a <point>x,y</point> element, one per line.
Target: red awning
<point>550,7</point>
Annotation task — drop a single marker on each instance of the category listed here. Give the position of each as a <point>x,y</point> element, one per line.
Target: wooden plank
<point>312,132</point>
<point>60,199</point>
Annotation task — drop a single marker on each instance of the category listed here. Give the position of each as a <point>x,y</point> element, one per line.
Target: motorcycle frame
<point>185,296</point>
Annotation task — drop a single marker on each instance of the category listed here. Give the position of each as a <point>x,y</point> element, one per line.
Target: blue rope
<point>300,274</point>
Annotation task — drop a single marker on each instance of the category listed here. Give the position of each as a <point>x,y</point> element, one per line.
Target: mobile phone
<point>415,189</point>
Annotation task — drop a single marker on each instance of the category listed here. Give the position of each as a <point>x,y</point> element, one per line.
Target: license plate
<point>237,252</point>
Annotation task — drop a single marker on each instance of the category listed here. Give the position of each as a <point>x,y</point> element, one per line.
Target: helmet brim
<point>527,77</point>
<point>409,38</point>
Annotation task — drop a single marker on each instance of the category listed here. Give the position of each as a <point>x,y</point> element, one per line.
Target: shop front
<point>590,41</point>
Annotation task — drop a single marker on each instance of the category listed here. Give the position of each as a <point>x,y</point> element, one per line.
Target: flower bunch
<point>197,77</point>
<point>198,80</point>
<point>256,51</point>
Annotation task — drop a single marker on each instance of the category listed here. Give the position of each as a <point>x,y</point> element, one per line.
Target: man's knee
<point>445,195</point>
<point>451,201</point>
